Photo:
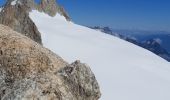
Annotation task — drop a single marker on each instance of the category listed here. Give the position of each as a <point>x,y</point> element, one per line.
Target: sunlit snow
<point>123,70</point>
<point>13,2</point>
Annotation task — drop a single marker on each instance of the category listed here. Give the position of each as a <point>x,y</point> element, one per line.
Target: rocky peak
<point>51,7</point>
<point>26,3</point>
<point>15,14</point>
<point>48,6</point>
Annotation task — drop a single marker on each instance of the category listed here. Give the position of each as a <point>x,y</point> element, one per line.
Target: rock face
<point>15,14</point>
<point>76,76</point>
<point>51,8</point>
<point>17,17</point>
<point>30,72</point>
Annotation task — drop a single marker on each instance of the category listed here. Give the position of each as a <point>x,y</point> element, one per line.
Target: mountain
<point>154,44</point>
<point>141,35</point>
<point>15,14</point>
<point>124,71</point>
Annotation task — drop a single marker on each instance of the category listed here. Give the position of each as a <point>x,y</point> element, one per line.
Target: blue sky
<point>120,14</point>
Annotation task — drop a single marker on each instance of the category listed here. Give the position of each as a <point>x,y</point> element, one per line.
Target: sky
<point>120,14</point>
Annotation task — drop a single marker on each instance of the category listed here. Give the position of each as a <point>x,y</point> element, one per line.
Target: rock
<point>17,17</point>
<point>15,14</point>
<point>81,80</point>
<point>51,8</point>
<point>28,71</point>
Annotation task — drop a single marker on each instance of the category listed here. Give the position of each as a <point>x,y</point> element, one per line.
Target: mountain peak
<point>27,3</point>
<point>15,14</point>
<point>50,7</point>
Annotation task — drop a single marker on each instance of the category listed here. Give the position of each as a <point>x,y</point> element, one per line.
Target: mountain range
<point>154,41</point>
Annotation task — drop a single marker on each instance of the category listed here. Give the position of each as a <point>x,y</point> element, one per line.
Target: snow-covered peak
<point>158,40</point>
<point>58,16</point>
<point>124,71</point>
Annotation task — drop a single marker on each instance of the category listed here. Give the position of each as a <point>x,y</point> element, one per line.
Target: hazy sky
<point>120,14</point>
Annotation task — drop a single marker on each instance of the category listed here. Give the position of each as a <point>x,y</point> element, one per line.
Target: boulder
<point>28,71</point>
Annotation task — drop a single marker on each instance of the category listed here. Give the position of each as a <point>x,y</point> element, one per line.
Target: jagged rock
<point>81,80</point>
<point>29,71</point>
<point>17,17</point>
<point>51,8</point>
<point>15,14</point>
<point>30,4</point>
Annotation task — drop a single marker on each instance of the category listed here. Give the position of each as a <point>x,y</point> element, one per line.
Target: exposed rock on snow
<point>17,17</point>
<point>81,80</point>
<point>30,72</point>
<point>51,8</point>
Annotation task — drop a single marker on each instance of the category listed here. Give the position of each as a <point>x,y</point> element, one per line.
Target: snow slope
<point>123,70</point>
<point>1,9</point>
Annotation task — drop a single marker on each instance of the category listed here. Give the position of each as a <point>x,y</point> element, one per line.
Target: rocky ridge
<point>15,14</point>
<point>29,71</point>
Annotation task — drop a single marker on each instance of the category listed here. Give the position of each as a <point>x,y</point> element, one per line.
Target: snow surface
<point>124,71</point>
<point>1,9</point>
<point>13,2</point>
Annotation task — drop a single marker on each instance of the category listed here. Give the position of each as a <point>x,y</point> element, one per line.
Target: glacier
<point>124,71</point>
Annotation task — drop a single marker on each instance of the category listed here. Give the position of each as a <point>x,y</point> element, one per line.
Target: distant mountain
<point>152,41</point>
<point>141,36</point>
<point>154,45</point>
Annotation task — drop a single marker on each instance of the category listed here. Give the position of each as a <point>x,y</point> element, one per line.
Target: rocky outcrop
<point>29,71</point>
<point>16,15</point>
<point>81,80</point>
<point>51,8</point>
